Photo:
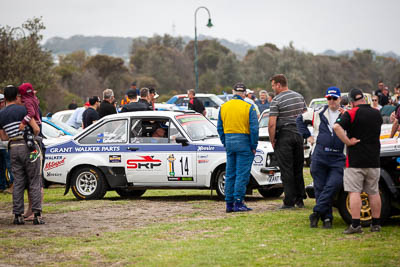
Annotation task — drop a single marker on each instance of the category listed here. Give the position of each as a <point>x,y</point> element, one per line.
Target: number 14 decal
<point>179,166</point>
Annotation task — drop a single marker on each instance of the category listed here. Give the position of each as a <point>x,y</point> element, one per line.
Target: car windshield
<point>217,100</point>
<point>197,126</point>
<point>65,127</point>
<point>49,131</point>
<point>264,120</point>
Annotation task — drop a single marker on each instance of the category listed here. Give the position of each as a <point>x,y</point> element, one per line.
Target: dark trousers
<point>290,154</point>
<point>26,172</point>
<point>328,180</point>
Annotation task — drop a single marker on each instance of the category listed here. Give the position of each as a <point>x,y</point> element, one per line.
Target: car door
<point>156,159</point>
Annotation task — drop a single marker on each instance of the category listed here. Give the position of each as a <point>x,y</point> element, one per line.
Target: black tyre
<point>220,184</point>
<point>271,192</point>
<point>88,183</point>
<point>366,215</point>
<point>130,193</point>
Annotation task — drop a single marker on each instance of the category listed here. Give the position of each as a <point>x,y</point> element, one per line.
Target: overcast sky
<point>313,25</point>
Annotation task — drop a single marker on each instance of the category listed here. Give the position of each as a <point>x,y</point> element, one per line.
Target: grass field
<point>204,235</point>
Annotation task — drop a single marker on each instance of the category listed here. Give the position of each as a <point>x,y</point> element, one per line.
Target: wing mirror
<point>182,140</point>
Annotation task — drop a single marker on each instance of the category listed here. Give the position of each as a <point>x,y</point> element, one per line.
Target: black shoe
<point>38,219</point>
<point>314,218</point>
<point>327,224</point>
<point>300,204</point>
<point>350,230</point>
<point>286,207</point>
<point>18,220</point>
<point>375,228</point>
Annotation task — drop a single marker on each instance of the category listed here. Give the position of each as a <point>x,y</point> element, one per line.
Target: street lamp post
<point>209,24</point>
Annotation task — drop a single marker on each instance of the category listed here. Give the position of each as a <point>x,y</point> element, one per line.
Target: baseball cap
<point>354,93</point>
<point>332,91</point>
<point>249,91</point>
<point>25,89</point>
<point>240,87</point>
<point>1,97</point>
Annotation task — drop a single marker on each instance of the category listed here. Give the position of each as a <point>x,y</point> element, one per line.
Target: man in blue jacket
<point>328,160</point>
<point>238,130</point>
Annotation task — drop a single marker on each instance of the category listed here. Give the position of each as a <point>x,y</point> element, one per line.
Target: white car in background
<point>120,152</point>
<point>63,115</point>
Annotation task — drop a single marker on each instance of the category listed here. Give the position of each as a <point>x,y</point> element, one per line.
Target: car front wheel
<point>366,213</point>
<point>88,183</point>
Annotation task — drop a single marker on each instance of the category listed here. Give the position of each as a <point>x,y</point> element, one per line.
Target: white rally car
<point>135,151</point>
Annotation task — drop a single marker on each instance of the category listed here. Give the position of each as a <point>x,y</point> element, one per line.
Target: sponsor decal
<point>84,149</point>
<point>205,148</point>
<point>259,151</point>
<point>100,138</point>
<point>114,158</point>
<point>171,166</point>
<point>144,163</point>
<point>54,164</point>
<point>52,174</point>
<point>54,157</point>
<point>258,159</point>
<point>202,161</point>
<point>202,156</point>
<point>181,179</point>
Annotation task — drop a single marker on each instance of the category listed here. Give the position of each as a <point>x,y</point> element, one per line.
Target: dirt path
<point>109,216</point>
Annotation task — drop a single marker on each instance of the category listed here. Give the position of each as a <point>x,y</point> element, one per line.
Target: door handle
<point>132,148</point>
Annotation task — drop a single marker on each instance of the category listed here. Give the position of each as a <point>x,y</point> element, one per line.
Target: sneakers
<point>229,207</point>
<point>240,206</point>
<point>375,228</point>
<point>327,224</point>
<point>314,217</point>
<point>18,220</point>
<point>352,230</point>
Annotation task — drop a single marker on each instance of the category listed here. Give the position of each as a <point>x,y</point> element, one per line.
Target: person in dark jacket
<point>194,103</point>
<point>327,160</point>
<point>107,107</point>
<point>145,98</point>
<point>133,105</point>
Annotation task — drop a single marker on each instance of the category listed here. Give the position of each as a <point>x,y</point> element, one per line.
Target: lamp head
<point>209,24</point>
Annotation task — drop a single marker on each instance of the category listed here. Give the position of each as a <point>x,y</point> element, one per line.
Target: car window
<point>182,101</point>
<point>111,132</point>
<point>264,120</point>
<point>149,131</point>
<point>197,126</point>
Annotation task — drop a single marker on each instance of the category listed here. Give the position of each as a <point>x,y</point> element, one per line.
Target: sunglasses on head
<point>331,98</point>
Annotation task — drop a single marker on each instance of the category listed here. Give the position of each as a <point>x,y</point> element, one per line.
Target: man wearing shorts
<point>363,126</point>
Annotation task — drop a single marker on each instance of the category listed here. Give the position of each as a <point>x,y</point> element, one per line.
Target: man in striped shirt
<point>25,170</point>
<point>287,141</point>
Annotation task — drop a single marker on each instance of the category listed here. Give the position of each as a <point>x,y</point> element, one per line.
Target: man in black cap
<point>363,126</point>
<point>238,130</point>
<point>90,115</point>
<point>133,105</point>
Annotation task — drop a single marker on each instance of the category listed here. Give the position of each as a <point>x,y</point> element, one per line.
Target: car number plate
<point>274,179</point>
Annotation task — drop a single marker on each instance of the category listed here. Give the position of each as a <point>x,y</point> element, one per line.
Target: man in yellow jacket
<point>238,130</point>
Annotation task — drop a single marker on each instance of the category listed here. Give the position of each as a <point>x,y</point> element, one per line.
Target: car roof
<point>160,113</point>
<point>197,95</point>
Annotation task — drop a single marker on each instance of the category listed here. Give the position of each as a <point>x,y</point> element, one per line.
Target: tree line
<point>166,63</point>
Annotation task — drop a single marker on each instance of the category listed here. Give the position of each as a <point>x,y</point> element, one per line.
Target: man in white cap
<point>249,99</point>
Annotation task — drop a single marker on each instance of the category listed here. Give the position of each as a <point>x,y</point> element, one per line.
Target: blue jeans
<point>327,182</point>
<point>239,159</point>
<point>5,163</point>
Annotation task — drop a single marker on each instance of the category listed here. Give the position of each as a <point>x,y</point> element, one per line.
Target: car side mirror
<point>182,140</point>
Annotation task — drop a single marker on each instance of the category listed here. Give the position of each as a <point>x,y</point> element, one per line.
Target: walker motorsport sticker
<point>114,158</point>
<point>56,161</point>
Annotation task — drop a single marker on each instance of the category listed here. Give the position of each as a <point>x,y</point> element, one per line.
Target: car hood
<point>54,141</point>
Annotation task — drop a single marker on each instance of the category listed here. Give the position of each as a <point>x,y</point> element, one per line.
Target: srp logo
<point>145,163</point>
